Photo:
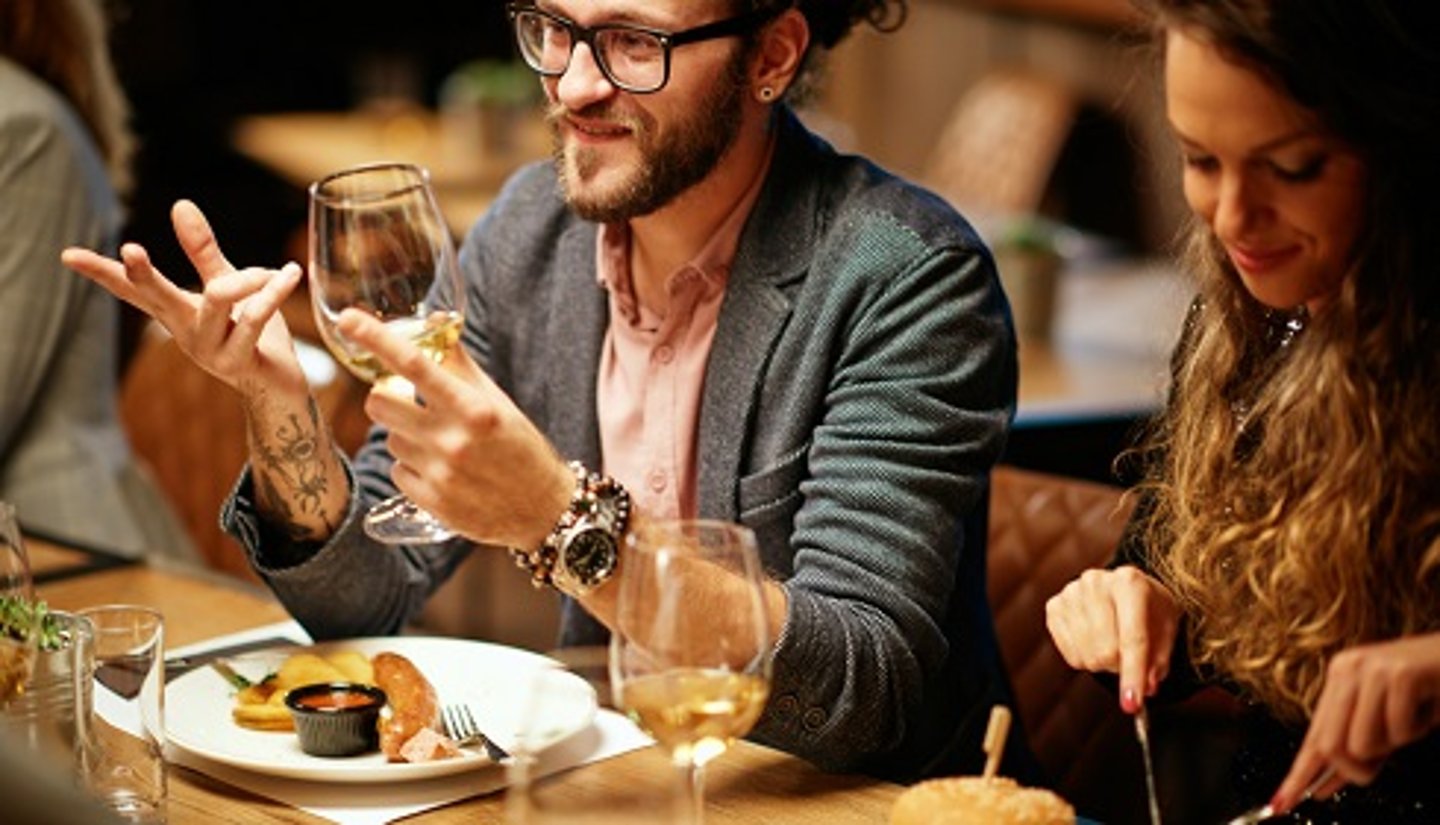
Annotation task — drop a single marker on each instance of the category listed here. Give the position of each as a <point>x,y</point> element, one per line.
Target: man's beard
<point>682,158</point>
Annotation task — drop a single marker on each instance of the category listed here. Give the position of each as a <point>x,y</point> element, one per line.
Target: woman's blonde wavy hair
<point>1297,487</point>
<point>63,42</point>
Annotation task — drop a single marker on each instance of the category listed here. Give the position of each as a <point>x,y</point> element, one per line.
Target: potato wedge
<point>306,669</point>
<point>355,666</point>
<point>265,716</point>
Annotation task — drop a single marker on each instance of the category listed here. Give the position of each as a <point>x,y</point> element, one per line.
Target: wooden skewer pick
<point>994,743</point>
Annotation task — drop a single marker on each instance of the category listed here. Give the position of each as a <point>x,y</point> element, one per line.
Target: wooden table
<point>749,785</point>
<point>466,169</point>
<point>1108,354</point>
<point>51,560</point>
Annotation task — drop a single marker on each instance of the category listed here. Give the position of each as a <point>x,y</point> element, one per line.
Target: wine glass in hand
<point>690,659</point>
<point>379,244</point>
<point>19,616</point>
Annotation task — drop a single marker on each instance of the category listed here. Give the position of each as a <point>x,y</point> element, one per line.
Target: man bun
<point>831,20</point>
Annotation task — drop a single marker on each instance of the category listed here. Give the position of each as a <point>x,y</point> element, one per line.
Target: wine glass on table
<point>379,243</point>
<point>691,656</point>
<point>19,614</point>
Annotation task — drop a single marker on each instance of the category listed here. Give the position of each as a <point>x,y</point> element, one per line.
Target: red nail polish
<point>1128,700</point>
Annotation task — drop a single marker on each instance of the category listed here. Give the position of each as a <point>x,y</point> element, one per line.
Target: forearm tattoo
<point>294,473</point>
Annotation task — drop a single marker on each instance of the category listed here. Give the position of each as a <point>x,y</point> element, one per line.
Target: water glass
<point>125,765</point>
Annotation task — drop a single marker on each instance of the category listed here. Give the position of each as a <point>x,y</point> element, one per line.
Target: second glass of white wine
<point>379,243</point>
<point>690,657</point>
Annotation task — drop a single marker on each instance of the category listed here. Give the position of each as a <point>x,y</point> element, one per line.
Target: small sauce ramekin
<point>336,718</point>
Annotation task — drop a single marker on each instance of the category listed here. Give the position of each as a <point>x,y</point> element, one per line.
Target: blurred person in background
<point>64,154</point>
<point>825,349</point>
<point>1287,540</point>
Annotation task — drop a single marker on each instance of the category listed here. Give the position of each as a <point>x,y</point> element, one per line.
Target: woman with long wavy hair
<point>1287,542</point>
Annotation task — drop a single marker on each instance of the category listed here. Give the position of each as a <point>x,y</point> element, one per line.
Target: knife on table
<point>1142,732</point>
<point>178,665</point>
<point>125,675</point>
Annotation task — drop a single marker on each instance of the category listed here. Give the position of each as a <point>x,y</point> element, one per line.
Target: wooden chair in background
<point>1001,143</point>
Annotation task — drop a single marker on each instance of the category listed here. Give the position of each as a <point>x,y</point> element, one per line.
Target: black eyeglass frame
<point>728,27</point>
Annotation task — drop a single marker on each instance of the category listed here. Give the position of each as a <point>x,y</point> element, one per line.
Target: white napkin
<point>374,804</point>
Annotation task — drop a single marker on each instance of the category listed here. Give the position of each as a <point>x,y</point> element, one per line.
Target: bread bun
<point>974,800</point>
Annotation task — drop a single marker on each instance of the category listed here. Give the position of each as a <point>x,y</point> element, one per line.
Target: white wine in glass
<point>19,632</point>
<point>691,656</point>
<point>379,243</point>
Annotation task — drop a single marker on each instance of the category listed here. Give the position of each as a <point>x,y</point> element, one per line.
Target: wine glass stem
<point>690,801</point>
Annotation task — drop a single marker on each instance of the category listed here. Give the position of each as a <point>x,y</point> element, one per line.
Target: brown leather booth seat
<point>1044,531</point>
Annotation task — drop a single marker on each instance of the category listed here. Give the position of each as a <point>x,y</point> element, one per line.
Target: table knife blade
<point>179,665</point>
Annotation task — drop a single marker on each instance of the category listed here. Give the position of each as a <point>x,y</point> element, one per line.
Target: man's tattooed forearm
<point>292,455</point>
<point>277,512</point>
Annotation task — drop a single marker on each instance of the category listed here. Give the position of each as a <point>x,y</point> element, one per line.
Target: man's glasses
<point>633,58</point>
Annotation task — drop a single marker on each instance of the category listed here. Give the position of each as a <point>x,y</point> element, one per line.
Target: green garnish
<point>18,615</point>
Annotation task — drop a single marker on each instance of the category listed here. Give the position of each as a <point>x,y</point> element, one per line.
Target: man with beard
<point>715,315</point>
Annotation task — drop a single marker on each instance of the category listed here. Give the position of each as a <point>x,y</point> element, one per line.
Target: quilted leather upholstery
<point>1044,530</point>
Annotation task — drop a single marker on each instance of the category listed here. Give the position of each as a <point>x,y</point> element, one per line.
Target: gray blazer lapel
<point>579,316</point>
<point>771,258</point>
<point>751,317</point>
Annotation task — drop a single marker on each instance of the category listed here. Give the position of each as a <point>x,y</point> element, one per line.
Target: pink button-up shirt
<point>652,366</point>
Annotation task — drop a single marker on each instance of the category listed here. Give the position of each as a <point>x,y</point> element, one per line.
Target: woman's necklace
<point>1282,327</point>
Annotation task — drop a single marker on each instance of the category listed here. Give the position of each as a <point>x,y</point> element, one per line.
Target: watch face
<point>590,556</point>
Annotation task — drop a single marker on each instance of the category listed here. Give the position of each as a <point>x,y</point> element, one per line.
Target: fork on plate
<point>460,725</point>
<point>1266,811</point>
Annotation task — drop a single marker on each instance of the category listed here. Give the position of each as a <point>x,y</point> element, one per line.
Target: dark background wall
<point>191,67</point>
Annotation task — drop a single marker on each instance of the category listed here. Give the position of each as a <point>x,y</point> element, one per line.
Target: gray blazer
<point>861,384</point>
<point>64,460</point>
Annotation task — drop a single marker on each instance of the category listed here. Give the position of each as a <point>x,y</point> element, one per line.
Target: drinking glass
<point>19,631</point>
<point>125,763</point>
<point>379,243</point>
<point>691,655</point>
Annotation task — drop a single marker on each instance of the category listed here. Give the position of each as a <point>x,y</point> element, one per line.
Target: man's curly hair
<point>830,21</point>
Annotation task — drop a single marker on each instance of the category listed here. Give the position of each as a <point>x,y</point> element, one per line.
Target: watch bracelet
<point>540,563</point>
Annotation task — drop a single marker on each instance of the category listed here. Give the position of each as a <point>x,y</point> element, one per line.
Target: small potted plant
<point>484,102</point>
<point>1029,261</point>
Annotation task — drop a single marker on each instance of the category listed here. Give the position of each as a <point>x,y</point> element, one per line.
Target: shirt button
<point>787,705</point>
<point>814,719</point>
<point>664,354</point>
<point>657,480</point>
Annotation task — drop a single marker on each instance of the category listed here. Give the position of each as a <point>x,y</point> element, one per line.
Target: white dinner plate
<point>492,679</point>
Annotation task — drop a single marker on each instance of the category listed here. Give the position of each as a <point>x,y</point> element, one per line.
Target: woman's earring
<point>767,94</point>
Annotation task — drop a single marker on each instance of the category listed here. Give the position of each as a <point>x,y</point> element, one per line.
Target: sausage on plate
<point>414,705</point>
